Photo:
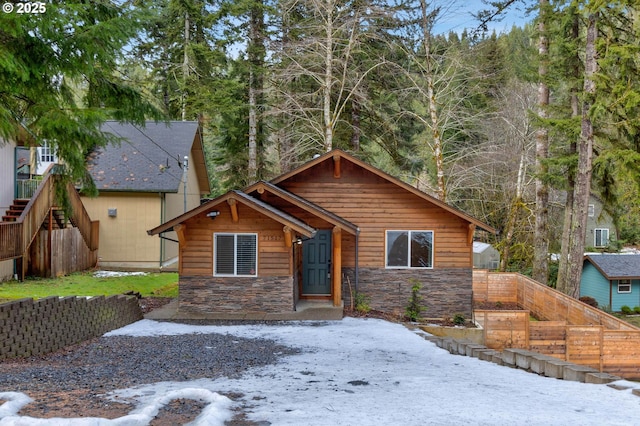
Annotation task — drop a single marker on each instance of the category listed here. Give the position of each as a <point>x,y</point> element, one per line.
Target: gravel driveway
<point>71,383</point>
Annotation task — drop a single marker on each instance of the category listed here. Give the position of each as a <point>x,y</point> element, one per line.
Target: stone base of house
<point>211,295</point>
<point>444,292</point>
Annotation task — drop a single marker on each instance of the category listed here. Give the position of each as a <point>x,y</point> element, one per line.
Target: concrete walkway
<point>305,310</point>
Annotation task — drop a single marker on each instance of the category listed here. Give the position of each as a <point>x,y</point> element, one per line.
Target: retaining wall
<point>35,327</point>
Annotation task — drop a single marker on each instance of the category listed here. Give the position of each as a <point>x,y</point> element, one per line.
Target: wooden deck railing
<point>81,220</point>
<point>10,240</point>
<point>36,210</point>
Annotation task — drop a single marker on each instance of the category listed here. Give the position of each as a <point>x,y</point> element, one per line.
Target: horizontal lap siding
<point>197,256</point>
<point>378,206</point>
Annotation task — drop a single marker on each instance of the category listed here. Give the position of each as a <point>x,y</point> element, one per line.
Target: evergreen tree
<point>59,78</point>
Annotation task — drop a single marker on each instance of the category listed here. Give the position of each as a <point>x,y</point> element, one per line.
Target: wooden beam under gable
<point>181,229</point>
<point>233,205</point>
<point>336,166</point>
<point>471,232</point>
<point>288,236</point>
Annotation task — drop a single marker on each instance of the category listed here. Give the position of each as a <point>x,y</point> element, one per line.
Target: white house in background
<point>485,256</point>
<point>46,156</point>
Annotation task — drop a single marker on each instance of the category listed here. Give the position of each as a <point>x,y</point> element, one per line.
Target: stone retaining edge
<point>532,362</point>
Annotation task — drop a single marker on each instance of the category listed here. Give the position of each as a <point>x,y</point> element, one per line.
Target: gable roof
<point>148,159</point>
<point>306,205</point>
<point>264,208</point>
<point>616,266</point>
<point>340,154</point>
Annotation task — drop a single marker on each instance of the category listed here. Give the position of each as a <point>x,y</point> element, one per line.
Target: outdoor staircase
<point>15,210</point>
<point>27,217</point>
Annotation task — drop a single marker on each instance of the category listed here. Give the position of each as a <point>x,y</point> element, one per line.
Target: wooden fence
<point>65,253</point>
<point>569,329</point>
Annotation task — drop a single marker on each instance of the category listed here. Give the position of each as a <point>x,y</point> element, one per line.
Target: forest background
<point>516,128</point>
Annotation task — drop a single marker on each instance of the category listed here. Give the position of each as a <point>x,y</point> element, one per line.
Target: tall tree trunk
<point>438,155</point>
<point>541,233</point>
<point>185,66</point>
<point>355,124</point>
<point>256,61</point>
<point>516,205</point>
<point>585,159</point>
<point>252,166</point>
<point>328,79</point>
<point>563,264</point>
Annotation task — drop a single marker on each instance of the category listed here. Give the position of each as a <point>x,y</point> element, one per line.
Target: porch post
<point>336,274</point>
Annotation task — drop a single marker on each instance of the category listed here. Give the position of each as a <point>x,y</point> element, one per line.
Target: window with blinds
<point>235,254</point>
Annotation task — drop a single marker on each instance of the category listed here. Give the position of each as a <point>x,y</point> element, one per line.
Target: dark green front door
<point>316,265</point>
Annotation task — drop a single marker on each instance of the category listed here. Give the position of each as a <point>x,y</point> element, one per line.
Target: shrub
<point>361,303</point>
<point>459,319</point>
<point>636,309</point>
<point>414,308</point>
<point>625,310</point>
<point>589,301</point>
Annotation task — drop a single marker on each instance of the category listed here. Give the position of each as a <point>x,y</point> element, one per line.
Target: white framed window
<point>46,153</point>
<point>235,254</point>
<point>624,286</point>
<point>592,210</point>
<point>601,237</point>
<point>409,249</point>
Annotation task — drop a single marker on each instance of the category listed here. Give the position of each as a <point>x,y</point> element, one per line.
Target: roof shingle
<point>148,159</point>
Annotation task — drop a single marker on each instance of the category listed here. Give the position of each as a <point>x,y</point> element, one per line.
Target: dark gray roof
<point>615,266</point>
<point>147,159</point>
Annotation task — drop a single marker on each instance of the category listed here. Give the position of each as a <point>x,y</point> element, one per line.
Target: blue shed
<point>612,279</point>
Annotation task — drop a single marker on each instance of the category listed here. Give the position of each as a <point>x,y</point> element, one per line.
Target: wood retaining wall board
<point>584,345</point>
<point>569,330</point>
<point>504,329</point>
<point>621,352</point>
<point>548,338</point>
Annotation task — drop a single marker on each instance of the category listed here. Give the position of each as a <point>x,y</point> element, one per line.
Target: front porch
<point>306,310</point>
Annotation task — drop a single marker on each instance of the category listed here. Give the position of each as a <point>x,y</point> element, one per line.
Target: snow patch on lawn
<point>115,274</point>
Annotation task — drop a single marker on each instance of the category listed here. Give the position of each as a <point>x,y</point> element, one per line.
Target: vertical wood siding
<point>274,258</point>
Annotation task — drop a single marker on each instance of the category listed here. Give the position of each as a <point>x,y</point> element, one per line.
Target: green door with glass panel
<point>316,265</point>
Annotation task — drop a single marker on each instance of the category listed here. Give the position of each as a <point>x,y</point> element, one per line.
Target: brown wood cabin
<point>332,227</point>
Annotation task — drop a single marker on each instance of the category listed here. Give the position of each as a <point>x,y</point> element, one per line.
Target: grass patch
<point>85,284</point>
<point>631,319</point>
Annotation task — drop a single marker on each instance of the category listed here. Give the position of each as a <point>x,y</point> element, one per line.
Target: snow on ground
<point>372,372</point>
<point>114,274</point>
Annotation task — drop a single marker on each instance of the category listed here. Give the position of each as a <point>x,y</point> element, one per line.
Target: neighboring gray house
<point>485,256</point>
<point>612,279</point>
<point>600,227</point>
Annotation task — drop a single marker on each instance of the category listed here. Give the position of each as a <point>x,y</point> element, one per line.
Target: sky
<point>457,15</point>
<point>363,372</point>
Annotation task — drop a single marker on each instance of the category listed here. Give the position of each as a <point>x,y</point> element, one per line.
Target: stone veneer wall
<point>209,295</point>
<point>445,292</point>
<point>34,327</point>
